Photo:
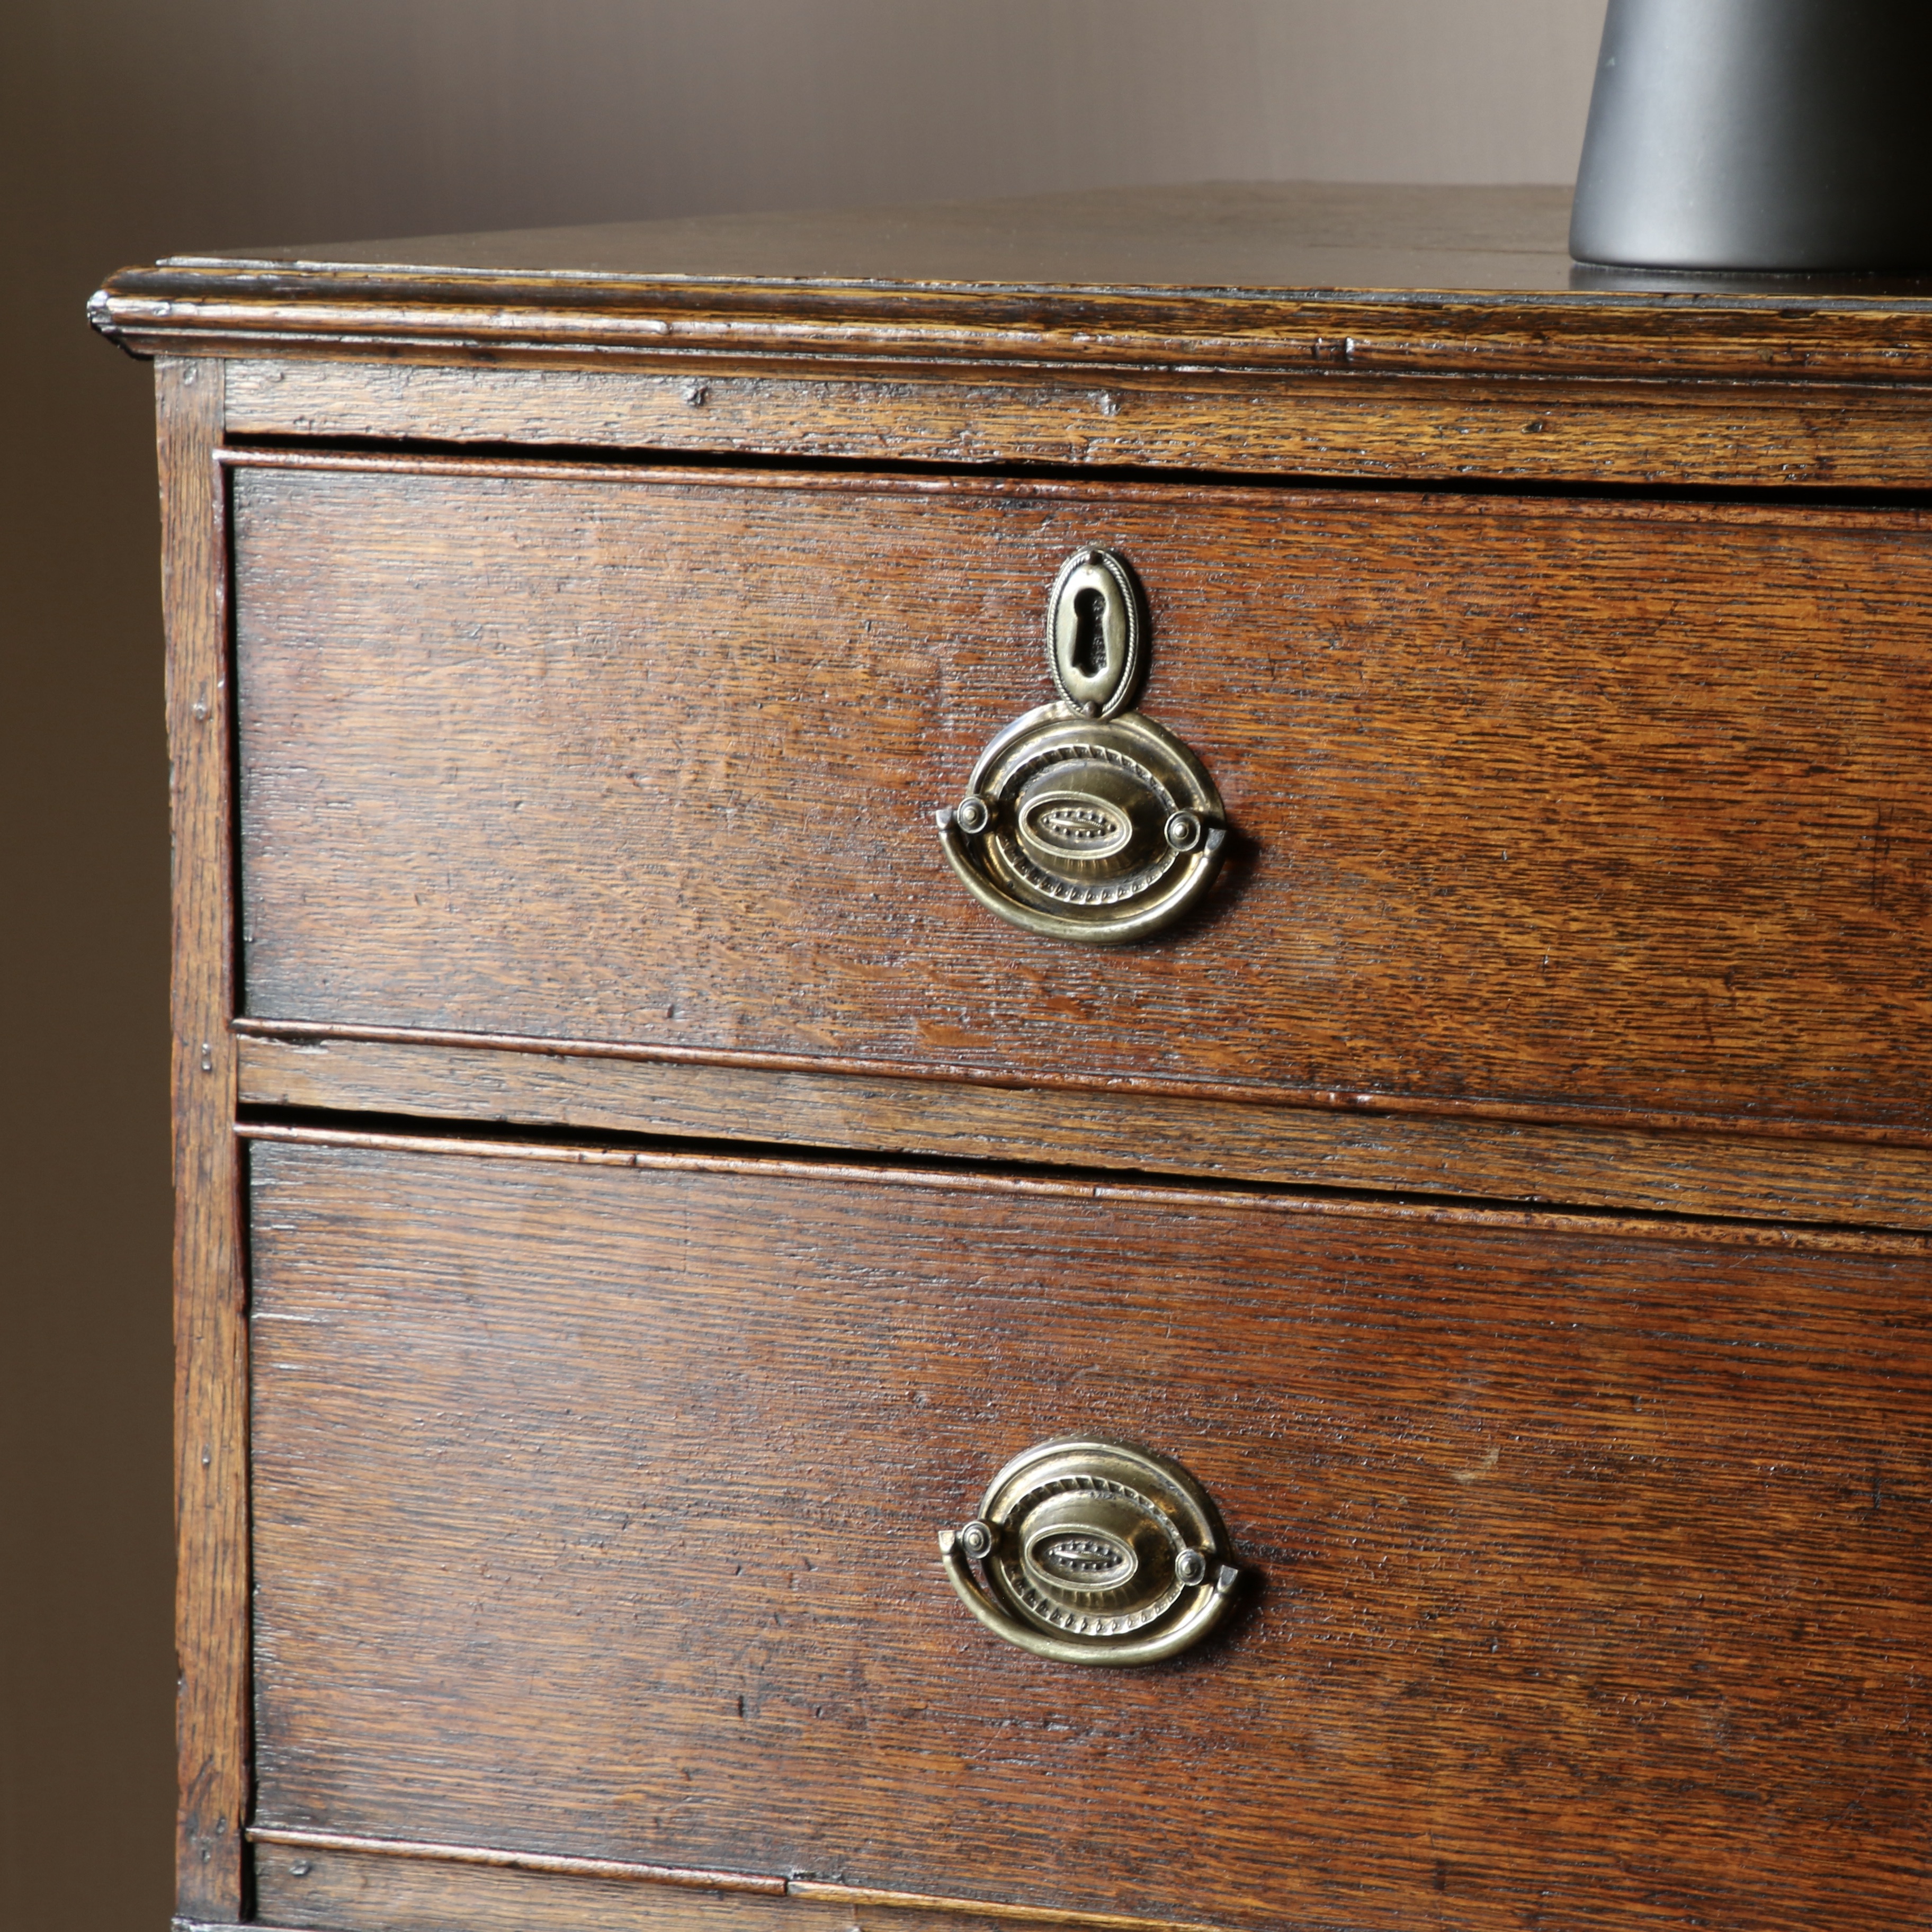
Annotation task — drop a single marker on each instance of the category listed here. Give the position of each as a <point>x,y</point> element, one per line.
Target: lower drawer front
<point>594,1514</point>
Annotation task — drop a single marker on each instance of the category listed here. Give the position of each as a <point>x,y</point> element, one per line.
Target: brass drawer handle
<point>1084,820</point>
<point>1092,1553</point>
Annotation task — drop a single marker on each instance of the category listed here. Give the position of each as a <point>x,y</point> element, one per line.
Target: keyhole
<point>1089,654</point>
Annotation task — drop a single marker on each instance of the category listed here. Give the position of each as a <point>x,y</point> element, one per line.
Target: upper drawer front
<point>1610,806</point>
<point>594,1513</point>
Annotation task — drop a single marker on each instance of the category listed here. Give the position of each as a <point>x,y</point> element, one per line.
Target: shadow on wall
<point>134,131</point>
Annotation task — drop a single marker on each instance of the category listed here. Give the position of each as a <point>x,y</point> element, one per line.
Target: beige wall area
<point>129,131</point>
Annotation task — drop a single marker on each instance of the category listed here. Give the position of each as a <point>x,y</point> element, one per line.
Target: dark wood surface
<point>211,1348</point>
<point>1583,864</point>
<point>298,1886</point>
<point>309,1879</point>
<point>1208,238</point>
<point>1269,275</point>
<point>1858,1184</point>
<point>1313,421</point>
<point>829,1168</point>
<point>1212,236</point>
<point>595,1506</point>
<point>1564,806</point>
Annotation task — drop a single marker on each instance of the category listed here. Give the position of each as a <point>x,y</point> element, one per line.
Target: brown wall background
<point>129,130</point>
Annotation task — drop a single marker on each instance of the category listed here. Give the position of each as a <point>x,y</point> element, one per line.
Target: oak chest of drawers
<point>1245,842</point>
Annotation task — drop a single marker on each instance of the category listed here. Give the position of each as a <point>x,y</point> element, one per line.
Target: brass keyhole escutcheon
<point>1093,1551</point>
<point>1084,819</point>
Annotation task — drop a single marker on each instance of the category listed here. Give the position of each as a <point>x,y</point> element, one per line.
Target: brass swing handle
<point>1094,1552</point>
<point>1207,1612</point>
<point>1084,819</point>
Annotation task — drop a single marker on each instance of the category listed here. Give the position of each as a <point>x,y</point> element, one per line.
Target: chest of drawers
<point>1467,1232</point>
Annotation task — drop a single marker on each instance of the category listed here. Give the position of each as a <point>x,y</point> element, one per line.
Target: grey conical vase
<point>1789,136</point>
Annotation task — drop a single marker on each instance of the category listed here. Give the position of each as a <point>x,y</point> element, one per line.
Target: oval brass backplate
<point>1084,819</point>
<point>1093,1551</point>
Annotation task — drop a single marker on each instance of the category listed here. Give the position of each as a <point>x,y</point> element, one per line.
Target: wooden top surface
<point>1260,236</point>
<point>1272,275</point>
<point>1265,238</point>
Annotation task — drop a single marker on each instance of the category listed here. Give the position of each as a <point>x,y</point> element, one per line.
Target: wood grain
<point>1584,873</point>
<point>306,1888</point>
<point>1255,235</point>
<point>1675,1173</point>
<point>343,1888</point>
<point>1187,1198</point>
<point>210,1439</point>
<point>281,1839</point>
<point>1318,422</point>
<point>321,1859</point>
<point>1569,806</point>
<point>595,1506</point>
<point>1250,276</point>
